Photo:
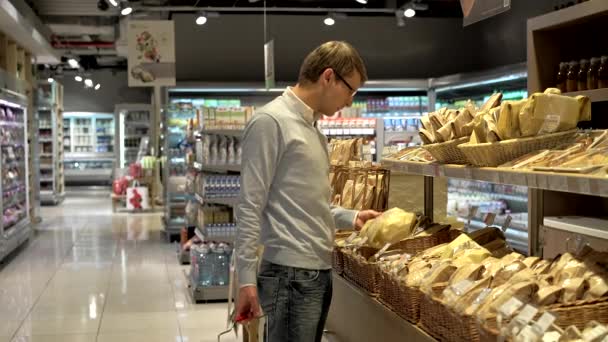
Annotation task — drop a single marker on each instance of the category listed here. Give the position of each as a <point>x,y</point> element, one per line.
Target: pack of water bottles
<point>223,186</point>
<point>210,264</point>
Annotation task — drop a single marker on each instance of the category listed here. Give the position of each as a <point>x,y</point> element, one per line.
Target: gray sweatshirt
<point>285,194</point>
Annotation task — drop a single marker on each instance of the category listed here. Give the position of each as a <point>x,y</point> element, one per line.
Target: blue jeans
<point>296,301</point>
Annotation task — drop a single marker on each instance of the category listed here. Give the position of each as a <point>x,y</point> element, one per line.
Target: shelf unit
<point>50,138</point>
<point>134,122</point>
<point>174,165</point>
<point>15,164</point>
<point>90,157</point>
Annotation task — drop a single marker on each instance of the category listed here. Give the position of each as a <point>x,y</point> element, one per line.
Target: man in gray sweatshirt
<point>285,199</point>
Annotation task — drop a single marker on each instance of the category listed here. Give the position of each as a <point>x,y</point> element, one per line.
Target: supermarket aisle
<point>90,276</point>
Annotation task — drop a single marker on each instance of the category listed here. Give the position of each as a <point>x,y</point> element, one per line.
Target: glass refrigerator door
<point>14,169</point>
<point>104,132</point>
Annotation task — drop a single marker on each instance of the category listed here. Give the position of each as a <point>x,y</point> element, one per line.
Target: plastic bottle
<point>222,267</point>
<point>572,77</point>
<point>206,269</point>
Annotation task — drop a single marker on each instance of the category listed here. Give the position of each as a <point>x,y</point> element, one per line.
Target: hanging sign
<point>269,64</point>
<point>151,45</point>
<point>478,10</point>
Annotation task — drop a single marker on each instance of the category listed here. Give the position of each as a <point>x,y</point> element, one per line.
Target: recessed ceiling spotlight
<point>97,86</point>
<point>73,63</point>
<point>201,19</point>
<point>51,80</point>
<point>363,2</point>
<point>113,3</point>
<point>329,20</point>
<point>78,78</point>
<point>127,10</point>
<point>88,82</point>
<point>409,12</point>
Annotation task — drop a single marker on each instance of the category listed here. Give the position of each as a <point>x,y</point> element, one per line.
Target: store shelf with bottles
<point>15,223</point>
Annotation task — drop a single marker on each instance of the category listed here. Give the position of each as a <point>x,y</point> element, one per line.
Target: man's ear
<point>326,75</point>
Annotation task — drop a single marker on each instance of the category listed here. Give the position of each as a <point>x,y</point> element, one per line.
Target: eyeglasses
<point>346,83</point>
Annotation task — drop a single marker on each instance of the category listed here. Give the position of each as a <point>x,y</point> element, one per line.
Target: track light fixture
<point>97,86</point>
<point>51,80</point>
<point>362,2</point>
<point>73,63</point>
<point>409,12</point>
<point>113,3</point>
<point>329,20</point>
<point>78,78</point>
<point>201,19</point>
<point>88,83</point>
<point>126,10</point>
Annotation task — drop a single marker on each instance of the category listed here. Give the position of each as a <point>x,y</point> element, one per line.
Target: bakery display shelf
<point>595,95</point>
<point>568,16</point>
<point>585,184</point>
<point>588,226</point>
<point>356,317</point>
<point>220,168</point>
<point>227,132</point>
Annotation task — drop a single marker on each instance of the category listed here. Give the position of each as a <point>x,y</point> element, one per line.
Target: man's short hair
<point>339,56</point>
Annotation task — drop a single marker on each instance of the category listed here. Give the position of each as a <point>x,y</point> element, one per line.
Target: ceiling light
<point>113,3</point>
<point>329,20</point>
<point>363,2</point>
<point>201,19</point>
<point>51,80</point>
<point>78,78</point>
<point>126,11</point>
<point>409,12</point>
<point>97,86</point>
<point>88,82</point>
<point>73,63</point>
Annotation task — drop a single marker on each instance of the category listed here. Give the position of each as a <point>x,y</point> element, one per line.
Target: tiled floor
<point>89,275</point>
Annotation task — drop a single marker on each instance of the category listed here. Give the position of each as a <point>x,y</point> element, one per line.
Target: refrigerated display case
<point>89,145</point>
<point>176,118</point>
<point>15,226</point>
<point>133,124</point>
<point>50,143</point>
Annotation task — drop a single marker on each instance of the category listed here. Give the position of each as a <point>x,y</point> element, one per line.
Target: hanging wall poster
<point>151,53</point>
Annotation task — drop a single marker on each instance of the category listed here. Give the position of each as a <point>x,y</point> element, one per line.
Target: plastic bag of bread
<point>392,226</point>
<point>574,289</point>
<point>433,252</point>
<point>471,272</point>
<point>487,235</point>
<point>550,113</point>
<point>548,295</point>
<point>572,269</point>
<point>531,261</point>
<point>598,287</point>
<point>504,274</point>
<point>500,295</point>
<point>461,243</point>
<point>470,255</point>
<point>441,273</point>
<point>415,277</point>
<point>523,275</point>
<point>595,332</point>
<point>463,294</point>
<point>541,267</point>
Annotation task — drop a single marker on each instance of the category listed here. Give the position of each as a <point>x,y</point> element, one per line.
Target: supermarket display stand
<point>51,108</point>
<point>552,197</point>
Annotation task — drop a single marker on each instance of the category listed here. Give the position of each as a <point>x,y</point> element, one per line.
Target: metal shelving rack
<point>89,147</point>
<point>133,122</point>
<point>15,172</point>
<point>50,138</point>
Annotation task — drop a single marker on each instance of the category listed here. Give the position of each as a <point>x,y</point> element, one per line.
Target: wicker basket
<point>338,260</point>
<point>495,154</point>
<point>448,152</point>
<point>445,325</point>
<point>403,300</point>
<point>416,245</point>
<point>577,313</point>
<point>360,271</point>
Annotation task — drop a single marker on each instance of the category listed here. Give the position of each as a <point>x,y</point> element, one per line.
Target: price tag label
<point>507,223</point>
<point>351,237</point>
<point>527,314</point>
<point>382,250</point>
<point>550,124</point>
<point>544,322</point>
<point>462,287</point>
<point>489,219</point>
<point>510,307</point>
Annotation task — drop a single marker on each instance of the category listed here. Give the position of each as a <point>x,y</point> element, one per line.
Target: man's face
<point>339,91</point>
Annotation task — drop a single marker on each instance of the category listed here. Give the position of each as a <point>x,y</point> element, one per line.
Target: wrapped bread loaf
<point>505,273</point>
<point>531,261</point>
<point>471,272</point>
<point>487,235</point>
<point>493,101</point>
<point>523,275</point>
<point>598,287</point>
<point>470,255</point>
<point>508,122</point>
<point>523,291</point>
<point>548,295</point>
<point>574,289</point>
<point>441,273</point>
<point>461,243</point>
<point>392,226</point>
<point>471,300</point>
<point>550,113</point>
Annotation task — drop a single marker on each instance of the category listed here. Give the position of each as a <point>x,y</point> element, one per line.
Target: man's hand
<point>363,216</point>
<point>248,304</point>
